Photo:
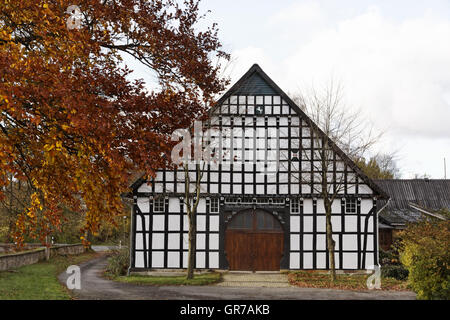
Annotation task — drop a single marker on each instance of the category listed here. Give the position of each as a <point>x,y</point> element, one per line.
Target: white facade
<point>259,129</point>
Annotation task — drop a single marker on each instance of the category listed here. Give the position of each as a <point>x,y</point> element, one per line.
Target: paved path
<point>94,286</point>
<point>254,280</point>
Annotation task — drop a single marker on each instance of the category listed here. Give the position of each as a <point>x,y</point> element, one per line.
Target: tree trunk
<point>330,242</point>
<point>192,244</point>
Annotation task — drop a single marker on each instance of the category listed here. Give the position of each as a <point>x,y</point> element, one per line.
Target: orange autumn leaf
<point>72,123</point>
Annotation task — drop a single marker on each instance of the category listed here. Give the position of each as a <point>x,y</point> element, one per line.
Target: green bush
<point>394,271</point>
<point>425,253</point>
<point>389,257</point>
<point>118,262</point>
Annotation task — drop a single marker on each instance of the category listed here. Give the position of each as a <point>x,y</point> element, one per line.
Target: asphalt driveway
<point>95,287</point>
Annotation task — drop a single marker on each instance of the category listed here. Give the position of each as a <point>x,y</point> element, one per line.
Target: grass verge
<point>198,280</point>
<point>315,279</point>
<point>39,281</point>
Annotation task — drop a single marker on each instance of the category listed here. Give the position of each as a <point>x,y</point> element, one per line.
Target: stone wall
<point>16,260</point>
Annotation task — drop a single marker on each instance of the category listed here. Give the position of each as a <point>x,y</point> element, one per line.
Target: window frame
<point>351,205</point>
<point>295,202</point>
<point>211,206</point>
<point>159,199</point>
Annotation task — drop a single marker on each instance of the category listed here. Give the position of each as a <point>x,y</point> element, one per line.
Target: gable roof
<point>410,198</point>
<point>256,80</point>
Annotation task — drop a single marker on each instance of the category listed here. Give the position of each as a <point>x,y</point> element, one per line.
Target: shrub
<point>118,262</point>
<point>394,271</point>
<point>389,257</point>
<point>425,253</point>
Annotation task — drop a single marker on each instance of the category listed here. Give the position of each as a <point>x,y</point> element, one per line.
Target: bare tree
<point>332,124</point>
<point>203,152</point>
<point>191,200</point>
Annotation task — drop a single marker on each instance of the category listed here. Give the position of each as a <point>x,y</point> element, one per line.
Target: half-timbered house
<point>249,218</point>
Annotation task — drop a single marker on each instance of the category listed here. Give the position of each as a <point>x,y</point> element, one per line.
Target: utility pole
<point>445,169</point>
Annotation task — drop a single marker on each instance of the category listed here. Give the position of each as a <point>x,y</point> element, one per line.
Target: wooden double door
<point>254,241</point>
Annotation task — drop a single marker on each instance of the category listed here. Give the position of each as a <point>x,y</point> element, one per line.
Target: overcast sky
<point>392,57</point>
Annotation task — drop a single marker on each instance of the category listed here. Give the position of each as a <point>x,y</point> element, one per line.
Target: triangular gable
<point>255,85</point>
<point>256,79</point>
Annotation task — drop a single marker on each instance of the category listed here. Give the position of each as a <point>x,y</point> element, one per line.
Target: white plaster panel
<point>173,241</point>
<point>174,205</point>
<point>201,206</point>
<point>307,224</point>
<point>201,241</point>
<point>307,242</point>
<point>139,259</point>
<point>157,259</point>
<point>173,260</point>
<point>139,244</point>
<point>214,260</point>
<point>145,187</point>
<point>158,222</point>
<point>295,242</point>
<point>321,242</point>
<point>321,224</point>
<point>307,260</point>
<point>144,204</point>
<point>307,204</point>
<point>295,223</point>
<point>174,222</point>
<point>158,241</point>
<point>366,205</point>
<point>369,261</point>
<point>350,260</point>
<point>294,260</point>
<point>321,260</point>
<point>364,189</point>
<point>213,241</point>
<point>200,259</point>
<point>214,223</point>
<point>201,223</point>
<point>350,242</point>
<point>351,223</point>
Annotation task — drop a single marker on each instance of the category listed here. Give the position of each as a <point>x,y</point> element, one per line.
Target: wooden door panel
<point>254,251</point>
<point>268,249</point>
<point>238,251</point>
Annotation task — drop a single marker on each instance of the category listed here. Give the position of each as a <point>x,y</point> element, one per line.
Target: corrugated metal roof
<point>430,194</point>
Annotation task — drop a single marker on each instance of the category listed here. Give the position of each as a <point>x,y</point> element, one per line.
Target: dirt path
<point>94,287</point>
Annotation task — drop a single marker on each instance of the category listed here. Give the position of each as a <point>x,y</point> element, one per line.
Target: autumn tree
<point>380,166</point>
<point>72,122</point>
<point>333,124</point>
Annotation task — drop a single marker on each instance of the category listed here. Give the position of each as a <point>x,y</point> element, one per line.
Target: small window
<point>214,205</point>
<point>350,205</point>
<point>295,206</point>
<point>158,204</point>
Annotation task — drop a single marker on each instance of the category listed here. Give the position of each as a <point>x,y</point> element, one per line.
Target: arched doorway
<point>254,241</point>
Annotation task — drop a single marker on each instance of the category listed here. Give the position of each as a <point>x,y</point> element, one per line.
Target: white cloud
<point>396,71</point>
